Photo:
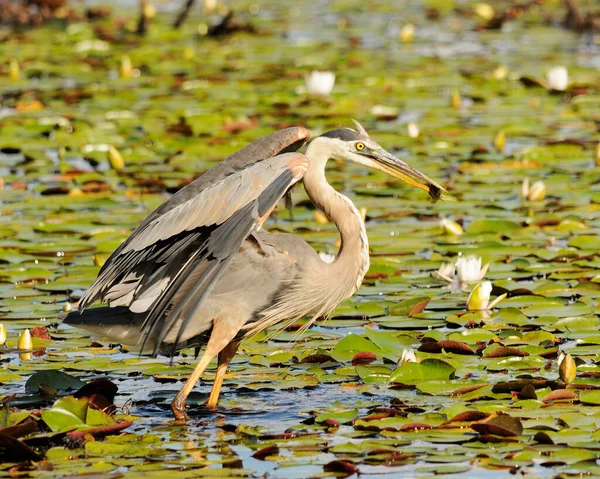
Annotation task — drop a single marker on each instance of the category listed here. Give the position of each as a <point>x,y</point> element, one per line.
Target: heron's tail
<point>117,324</point>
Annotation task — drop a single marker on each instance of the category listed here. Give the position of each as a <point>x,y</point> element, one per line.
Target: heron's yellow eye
<point>360,146</point>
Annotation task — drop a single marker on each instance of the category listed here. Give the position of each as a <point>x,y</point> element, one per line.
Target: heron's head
<point>359,147</point>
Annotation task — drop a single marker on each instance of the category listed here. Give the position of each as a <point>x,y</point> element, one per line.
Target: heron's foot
<point>178,407</point>
<point>175,422</point>
<point>211,403</point>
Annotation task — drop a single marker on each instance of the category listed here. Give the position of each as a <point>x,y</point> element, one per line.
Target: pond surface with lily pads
<point>417,375</point>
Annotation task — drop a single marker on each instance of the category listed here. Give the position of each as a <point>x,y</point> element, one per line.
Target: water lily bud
<point>2,334</point>
<point>362,211</point>
<point>408,356</point>
<point>480,297</point>
<point>567,369</point>
<point>62,153</point>
<point>451,227</point>
<point>320,83</point>
<point>407,33</point>
<point>455,98</point>
<point>209,6</point>
<point>321,218</point>
<point>484,11</point>
<point>413,130</point>
<point>14,70</point>
<point>558,78</point>
<point>67,307</point>
<point>126,70</point>
<point>597,159</point>
<point>188,53</point>
<point>115,159</point>
<point>500,141</point>
<point>537,192</point>
<point>202,29</point>
<point>25,344</point>
<point>149,10</point>
<point>500,73</point>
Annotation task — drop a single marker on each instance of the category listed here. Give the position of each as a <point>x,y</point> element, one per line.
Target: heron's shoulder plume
<point>344,134</point>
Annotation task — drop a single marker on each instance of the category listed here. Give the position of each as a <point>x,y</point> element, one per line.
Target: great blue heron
<point>199,269</point>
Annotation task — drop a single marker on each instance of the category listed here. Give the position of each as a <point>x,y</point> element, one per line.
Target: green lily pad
<point>66,413</point>
<point>428,370</point>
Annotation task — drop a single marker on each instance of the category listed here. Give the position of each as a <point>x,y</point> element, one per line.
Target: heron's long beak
<point>388,163</point>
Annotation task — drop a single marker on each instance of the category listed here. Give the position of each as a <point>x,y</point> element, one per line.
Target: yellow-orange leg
<point>225,357</point>
<point>178,403</point>
<point>222,334</point>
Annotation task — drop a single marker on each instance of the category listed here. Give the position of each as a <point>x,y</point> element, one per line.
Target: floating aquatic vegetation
<point>306,402</point>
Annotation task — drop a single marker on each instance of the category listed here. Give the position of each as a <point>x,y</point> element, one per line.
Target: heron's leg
<point>178,403</point>
<point>222,334</point>
<point>225,357</point>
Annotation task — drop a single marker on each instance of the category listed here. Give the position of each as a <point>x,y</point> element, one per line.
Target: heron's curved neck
<point>353,255</point>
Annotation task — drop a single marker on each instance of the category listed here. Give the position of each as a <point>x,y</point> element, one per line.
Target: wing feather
<point>232,235</point>
<point>174,230</point>
<point>198,237</point>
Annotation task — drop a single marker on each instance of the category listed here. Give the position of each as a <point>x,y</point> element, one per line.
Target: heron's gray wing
<point>118,280</point>
<point>197,238</point>
<point>276,143</point>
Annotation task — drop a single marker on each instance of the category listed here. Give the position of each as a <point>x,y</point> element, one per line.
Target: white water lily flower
<point>320,83</point>
<point>2,334</point>
<point>558,78</point>
<point>446,272</point>
<point>464,271</point>
<point>91,45</point>
<point>408,356</point>
<point>384,111</point>
<point>469,269</point>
